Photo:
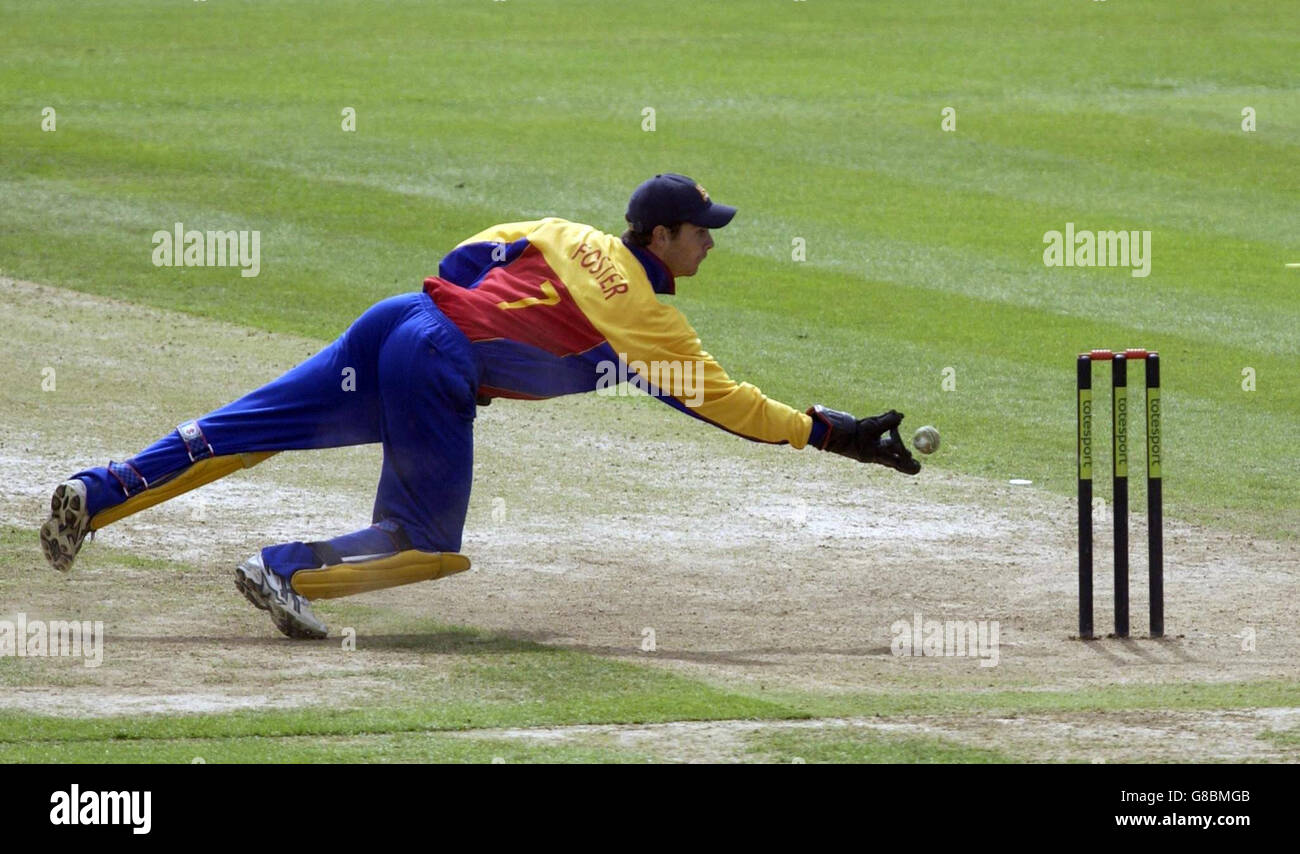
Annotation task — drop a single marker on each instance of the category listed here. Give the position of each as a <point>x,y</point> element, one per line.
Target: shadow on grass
<point>467,642</point>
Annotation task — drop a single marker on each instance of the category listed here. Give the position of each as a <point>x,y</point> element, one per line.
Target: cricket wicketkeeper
<point>526,310</point>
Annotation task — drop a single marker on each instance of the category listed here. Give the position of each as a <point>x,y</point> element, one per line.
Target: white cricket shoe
<point>69,522</point>
<point>290,612</point>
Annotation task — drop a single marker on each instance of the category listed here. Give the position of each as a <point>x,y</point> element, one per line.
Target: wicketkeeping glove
<point>867,440</point>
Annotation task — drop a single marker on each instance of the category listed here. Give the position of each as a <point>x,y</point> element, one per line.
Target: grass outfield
<point>820,121</point>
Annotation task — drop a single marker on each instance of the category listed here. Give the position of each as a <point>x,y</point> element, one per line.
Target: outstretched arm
<point>743,409</point>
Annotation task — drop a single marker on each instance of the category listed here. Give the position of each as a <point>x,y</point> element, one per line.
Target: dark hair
<point>643,238</point>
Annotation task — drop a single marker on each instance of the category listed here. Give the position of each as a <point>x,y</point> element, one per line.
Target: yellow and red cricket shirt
<point>550,305</point>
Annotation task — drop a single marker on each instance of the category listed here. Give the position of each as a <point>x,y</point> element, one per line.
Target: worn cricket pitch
<point>595,521</point>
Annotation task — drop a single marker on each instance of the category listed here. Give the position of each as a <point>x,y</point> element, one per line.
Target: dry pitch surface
<point>592,520</point>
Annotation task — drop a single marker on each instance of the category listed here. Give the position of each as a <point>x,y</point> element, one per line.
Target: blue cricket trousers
<point>402,374</point>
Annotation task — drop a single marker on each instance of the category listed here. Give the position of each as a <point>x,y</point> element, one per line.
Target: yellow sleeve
<point>662,335</point>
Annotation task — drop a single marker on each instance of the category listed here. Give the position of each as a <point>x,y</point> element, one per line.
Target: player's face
<point>682,254</point>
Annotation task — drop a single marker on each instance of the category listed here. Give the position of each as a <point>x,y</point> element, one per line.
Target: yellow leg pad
<point>204,471</point>
<point>406,567</point>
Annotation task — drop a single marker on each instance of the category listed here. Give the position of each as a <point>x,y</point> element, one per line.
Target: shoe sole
<point>289,625</point>
<point>66,529</point>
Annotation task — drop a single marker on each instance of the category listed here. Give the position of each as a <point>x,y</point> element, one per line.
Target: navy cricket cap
<point>669,198</point>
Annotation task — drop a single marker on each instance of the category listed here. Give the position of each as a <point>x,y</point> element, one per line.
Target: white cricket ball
<point>926,440</point>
